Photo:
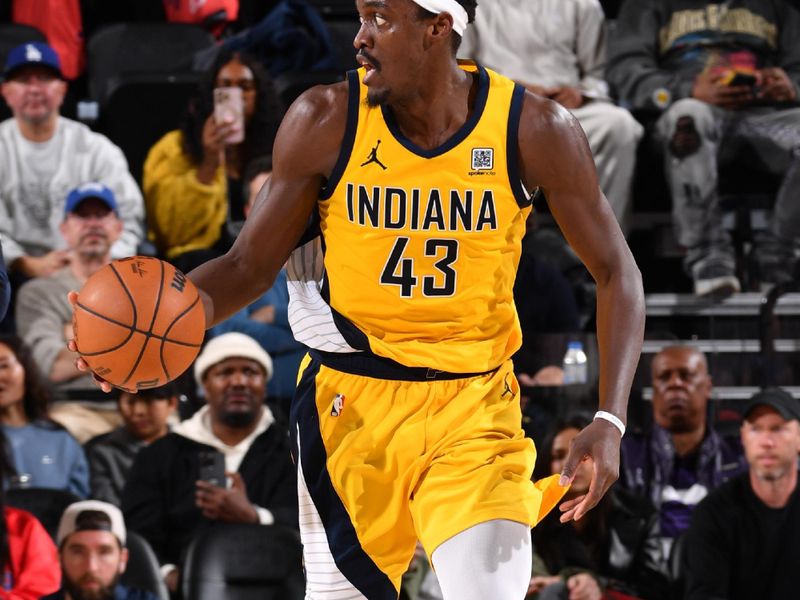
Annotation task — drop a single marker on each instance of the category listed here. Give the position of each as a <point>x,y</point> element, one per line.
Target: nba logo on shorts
<point>482,159</point>
<point>338,405</point>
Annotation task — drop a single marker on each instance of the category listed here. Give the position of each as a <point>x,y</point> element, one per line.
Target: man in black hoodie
<point>724,77</point>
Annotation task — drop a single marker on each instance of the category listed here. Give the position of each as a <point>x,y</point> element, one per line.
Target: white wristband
<point>613,419</point>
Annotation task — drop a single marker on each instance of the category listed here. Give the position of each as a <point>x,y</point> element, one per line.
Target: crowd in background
<point>706,84</point>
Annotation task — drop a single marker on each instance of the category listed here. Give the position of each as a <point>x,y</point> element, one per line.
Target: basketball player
<point>406,419</point>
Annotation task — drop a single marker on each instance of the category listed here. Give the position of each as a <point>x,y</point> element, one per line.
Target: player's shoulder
<point>542,116</point>
<point>321,106</point>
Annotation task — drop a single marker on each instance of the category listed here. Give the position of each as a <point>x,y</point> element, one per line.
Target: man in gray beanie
<point>230,462</point>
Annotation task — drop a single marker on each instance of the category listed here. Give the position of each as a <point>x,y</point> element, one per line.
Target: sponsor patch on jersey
<point>482,159</point>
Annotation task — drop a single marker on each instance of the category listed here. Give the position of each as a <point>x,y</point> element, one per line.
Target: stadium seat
<point>244,562</point>
<point>124,50</point>
<point>142,571</point>
<point>45,504</point>
<point>142,108</point>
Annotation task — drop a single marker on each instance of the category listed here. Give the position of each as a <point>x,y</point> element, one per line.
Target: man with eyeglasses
<point>744,539</point>
<point>42,156</point>
<point>89,229</point>
<point>173,490</point>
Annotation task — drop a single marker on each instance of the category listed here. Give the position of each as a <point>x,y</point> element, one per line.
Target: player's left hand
<point>599,440</point>
<point>227,505</point>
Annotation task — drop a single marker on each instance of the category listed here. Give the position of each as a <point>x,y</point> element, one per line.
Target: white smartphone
<point>229,109</point>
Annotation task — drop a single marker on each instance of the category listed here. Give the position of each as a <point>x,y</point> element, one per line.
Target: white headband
<point>459,14</point>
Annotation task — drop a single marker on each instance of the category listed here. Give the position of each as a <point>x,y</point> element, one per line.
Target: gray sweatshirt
<point>36,177</point>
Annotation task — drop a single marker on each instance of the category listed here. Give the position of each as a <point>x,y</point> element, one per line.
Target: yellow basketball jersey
<point>421,246</point>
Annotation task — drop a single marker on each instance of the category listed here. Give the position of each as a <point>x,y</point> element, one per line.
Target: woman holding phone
<point>192,176</point>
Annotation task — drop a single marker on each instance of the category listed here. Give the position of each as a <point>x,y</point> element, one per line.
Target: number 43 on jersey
<point>399,269</point>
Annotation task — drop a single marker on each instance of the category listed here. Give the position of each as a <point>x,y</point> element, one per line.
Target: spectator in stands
<point>615,549</point>
<point>91,540</point>
<point>165,498</point>
<point>744,539</point>
<point>28,557</point>
<point>90,227</point>
<point>145,415</point>
<point>43,453</point>
<point>42,157</point>
<point>193,179</point>
<point>267,319</point>
<point>682,458</point>
<point>557,49</point>
<point>724,78</point>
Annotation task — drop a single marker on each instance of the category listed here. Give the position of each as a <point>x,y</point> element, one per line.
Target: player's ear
<point>441,27</point>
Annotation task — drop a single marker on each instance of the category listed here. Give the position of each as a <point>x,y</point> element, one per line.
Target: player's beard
<point>377,98</point>
<point>105,592</point>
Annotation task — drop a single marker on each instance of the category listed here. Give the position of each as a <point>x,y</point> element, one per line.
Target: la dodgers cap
<point>90,190</point>
<point>32,53</point>
<point>71,520</point>
<point>776,398</point>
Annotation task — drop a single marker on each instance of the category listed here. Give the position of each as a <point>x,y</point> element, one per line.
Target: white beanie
<point>231,345</point>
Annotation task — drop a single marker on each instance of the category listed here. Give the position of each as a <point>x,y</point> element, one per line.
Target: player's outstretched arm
<point>555,156</point>
<point>305,152</point>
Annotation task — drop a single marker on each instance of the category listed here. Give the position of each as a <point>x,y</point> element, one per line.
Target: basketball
<point>138,323</point>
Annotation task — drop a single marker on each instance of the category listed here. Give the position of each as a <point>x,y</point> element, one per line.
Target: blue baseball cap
<point>90,190</point>
<point>32,53</point>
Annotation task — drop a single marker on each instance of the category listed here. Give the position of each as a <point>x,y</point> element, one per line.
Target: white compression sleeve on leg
<point>488,560</point>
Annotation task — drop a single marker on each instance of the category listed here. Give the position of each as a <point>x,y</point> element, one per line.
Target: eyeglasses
<point>246,85</point>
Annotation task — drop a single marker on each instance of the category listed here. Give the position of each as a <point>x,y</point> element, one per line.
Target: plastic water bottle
<point>575,367</point>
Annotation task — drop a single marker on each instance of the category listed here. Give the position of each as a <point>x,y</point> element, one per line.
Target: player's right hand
<point>600,441</point>
<point>73,347</point>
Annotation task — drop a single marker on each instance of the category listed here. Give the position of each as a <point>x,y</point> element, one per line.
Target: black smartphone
<point>740,78</point>
<point>212,467</point>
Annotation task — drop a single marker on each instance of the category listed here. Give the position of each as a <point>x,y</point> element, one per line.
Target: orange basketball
<point>139,322</point>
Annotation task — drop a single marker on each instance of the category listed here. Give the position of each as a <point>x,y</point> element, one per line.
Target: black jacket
<point>738,548</point>
<point>625,555</point>
<point>159,497</point>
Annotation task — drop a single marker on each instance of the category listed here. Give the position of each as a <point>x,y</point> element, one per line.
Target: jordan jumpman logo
<point>373,157</point>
